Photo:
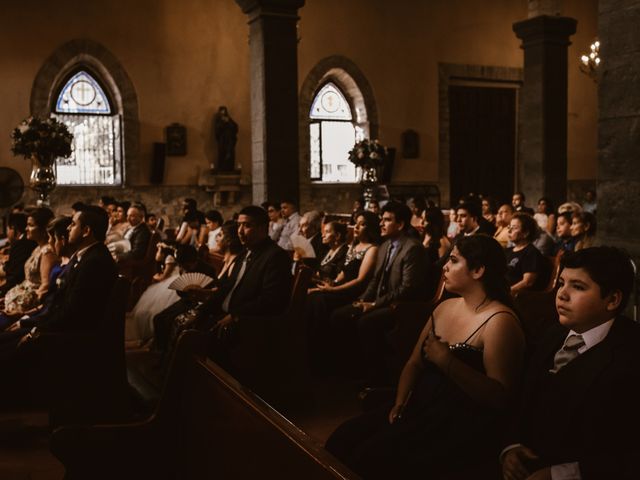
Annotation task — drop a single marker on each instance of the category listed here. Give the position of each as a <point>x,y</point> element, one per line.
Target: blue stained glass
<point>82,94</point>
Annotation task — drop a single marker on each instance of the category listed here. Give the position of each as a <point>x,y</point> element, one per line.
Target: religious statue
<point>226,133</point>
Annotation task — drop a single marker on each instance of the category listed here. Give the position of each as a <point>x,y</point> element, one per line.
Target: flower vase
<point>43,178</point>
<point>369,181</point>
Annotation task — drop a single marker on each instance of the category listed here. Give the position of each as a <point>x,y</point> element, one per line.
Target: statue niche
<point>226,132</point>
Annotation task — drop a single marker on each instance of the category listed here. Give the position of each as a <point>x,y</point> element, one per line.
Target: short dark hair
<point>140,206</point>
<point>529,225</point>
<point>97,219</point>
<point>17,221</point>
<point>124,205</point>
<point>258,215</point>
<point>186,254</point>
<point>107,200</point>
<point>340,229</point>
<point>472,209</point>
<point>609,267</point>
<point>214,216</point>
<point>401,211</point>
<point>290,201</point>
<point>518,192</point>
<point>41,216</point>
<point>59,227</point>
<point>191,203</point>
<point>77,206</point>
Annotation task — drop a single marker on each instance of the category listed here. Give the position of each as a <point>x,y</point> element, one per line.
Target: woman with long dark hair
<point>457,384</point>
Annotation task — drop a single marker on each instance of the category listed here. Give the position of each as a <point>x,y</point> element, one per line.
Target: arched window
<point>332,132</point>
<point>86,108</point>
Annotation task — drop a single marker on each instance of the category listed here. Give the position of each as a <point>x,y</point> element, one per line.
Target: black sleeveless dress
<point>442,429</point>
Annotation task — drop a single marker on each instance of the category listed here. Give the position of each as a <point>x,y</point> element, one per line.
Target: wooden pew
<point>206,425</point>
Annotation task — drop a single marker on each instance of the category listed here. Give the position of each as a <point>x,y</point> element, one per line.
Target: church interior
<point>233,103</point>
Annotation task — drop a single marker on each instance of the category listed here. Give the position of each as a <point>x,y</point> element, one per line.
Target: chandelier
<point>590,62</point>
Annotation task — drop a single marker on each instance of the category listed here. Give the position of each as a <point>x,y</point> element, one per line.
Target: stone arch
<point>353,83</point>
<point>113,76</point>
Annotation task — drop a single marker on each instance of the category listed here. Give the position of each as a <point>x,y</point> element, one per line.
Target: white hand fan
<point>190,279</point>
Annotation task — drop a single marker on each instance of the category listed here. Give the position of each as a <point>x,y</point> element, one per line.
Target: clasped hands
<point>364,306</point>
<point>224,327</point>
<point>514,465</point>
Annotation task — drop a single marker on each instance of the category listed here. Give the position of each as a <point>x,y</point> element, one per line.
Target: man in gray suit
<point>400,275</point>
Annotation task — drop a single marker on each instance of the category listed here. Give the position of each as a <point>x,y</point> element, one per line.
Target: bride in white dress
<point>157,297</point>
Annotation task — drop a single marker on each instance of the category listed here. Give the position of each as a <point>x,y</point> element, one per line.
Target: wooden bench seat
<point>206,425</point>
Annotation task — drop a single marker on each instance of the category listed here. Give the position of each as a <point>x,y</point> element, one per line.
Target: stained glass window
<point>82,94</point>
<point>84,107</point>
<point>332,134</point>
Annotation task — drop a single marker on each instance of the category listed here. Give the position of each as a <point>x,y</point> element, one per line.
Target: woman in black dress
<point>456,386</point>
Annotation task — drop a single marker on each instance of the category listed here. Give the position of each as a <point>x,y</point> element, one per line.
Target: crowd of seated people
<point>463,382</point>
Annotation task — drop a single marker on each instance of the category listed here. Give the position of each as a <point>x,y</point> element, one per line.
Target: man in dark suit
<point>517,201</point>
<point>400,275</point>
<point>138,235</point>
<point>260,283</point>
<point>470,220</point>
<point>20,250</point>
<point>249,305</point>
<point>87,284</point>
<point>579,415</point>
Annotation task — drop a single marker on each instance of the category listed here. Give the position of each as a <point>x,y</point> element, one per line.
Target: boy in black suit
<point>579,416</point>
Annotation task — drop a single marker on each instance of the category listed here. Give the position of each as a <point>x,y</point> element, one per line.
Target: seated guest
<point>356,208</point>
<point>192,224</point>
<point>21,248</point>
<point>291,217</point>
<point>489,209</point>
<point>503,219</point>
<point>452,228</point>
<point>334,235</point>
<point>158,296</point>
<point>138,235</point>
<point>435,242</point>
<point>310,227</point>
<point>156,225</point>
<point>59,241</point>
<point>78,304</point>
<point>517,201</point>
<point>578,418</point>
<point>565,242</point>
<point>275,220</point>
<point>590,202</point>
<point>456,386</point>
<point>417,205</point>
<point>213,221</point>
<point>545,217</point>
<point>28,293</point>
<point>527,269</point>
<point>583,229</point>
<point>259,285</point>
<point>400,275</point>
<point>118,223</point>
<point>470,220</point>
<point>374,206</point>
<point>358,265</point>
<point>163,322</point>
<point>89,280</point>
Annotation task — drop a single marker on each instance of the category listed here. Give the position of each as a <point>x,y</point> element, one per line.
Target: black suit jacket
<point>14,267</point>
<point>588,412</point>
<point>80,301</point>
<point>139,243</point>
<point>407,275</point>
<point>265,287</point>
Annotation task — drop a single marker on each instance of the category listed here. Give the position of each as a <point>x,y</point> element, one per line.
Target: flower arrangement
<point>45,139</point>
<point>368,154</point>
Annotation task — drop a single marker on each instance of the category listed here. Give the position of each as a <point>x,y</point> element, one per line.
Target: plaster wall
<point>187,58</point>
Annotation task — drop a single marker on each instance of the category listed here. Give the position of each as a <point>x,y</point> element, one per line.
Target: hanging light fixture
<point>589,62</point>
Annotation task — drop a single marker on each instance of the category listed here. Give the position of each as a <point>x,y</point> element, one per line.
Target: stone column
<point>273,43</point>
<point>542,120</point>
<point>618,186</point>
